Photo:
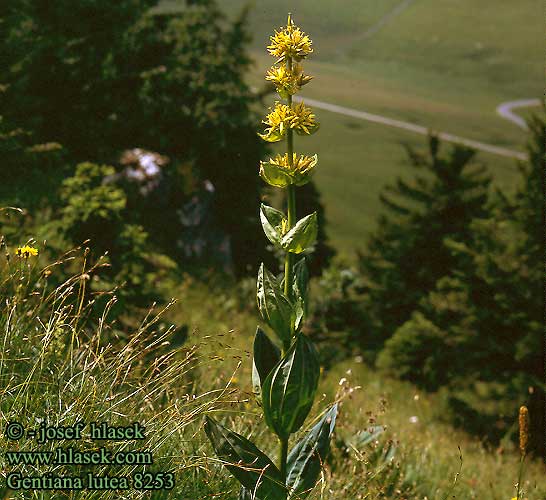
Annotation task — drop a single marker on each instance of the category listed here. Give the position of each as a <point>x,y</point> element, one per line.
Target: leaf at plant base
<point>275,308</point>
<point>302,236</point>
<point>274,175</point>
<point>272,222</point>
<point>289,390</point>
<point>300,287</point>
<point>305,459</point>
<point>251,467</point>
<point>266,356</point>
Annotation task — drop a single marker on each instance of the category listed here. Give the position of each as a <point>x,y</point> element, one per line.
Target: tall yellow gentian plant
<point>284,378</point>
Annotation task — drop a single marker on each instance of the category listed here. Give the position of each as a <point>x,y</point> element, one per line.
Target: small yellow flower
<point>26,252</point>
<point>277,121</point>
<point>279,173</point>
<point>286,81</point>
<point>303,120</point>
<point>300,118</point>
<point>290,42</point>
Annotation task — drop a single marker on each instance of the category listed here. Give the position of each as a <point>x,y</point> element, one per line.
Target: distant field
<point>442,64</point>
<point>446,64</point>
<point>356,159</point>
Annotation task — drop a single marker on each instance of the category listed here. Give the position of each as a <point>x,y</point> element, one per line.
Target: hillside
<point>445,65</point>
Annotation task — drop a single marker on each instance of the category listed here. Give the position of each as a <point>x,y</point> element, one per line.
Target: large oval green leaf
<point>266,356</point>
<point>306,458</point>
<point>289,390</point>
<point>252,468</point>
<point>275,308</point>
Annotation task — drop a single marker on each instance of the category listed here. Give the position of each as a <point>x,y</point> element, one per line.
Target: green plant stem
<point>288,265</point>
<point>289,258</point>
<point>520,476</point>
<point>283,454</point>
<point>291,198</point>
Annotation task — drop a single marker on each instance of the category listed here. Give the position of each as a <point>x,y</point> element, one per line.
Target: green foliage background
<point>98,78</point>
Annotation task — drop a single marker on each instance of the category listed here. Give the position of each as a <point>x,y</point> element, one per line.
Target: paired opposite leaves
<point>266,356</point>
<point>289,390</point>
<point>282,176</point>
<point>298,239</point>
<point>251,467</point>
<point>305,459</point>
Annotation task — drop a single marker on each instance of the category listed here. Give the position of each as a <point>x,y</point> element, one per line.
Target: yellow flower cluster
<point>279,173</point>
<point>276,121</point>
<point>287,81</point>
<point>290,45</point>
<point>26,252</point>
<point>290,42</point>
<point>303,120</point>
<point>282,117</point>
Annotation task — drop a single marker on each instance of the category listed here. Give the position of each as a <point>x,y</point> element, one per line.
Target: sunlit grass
<point>57,365</point>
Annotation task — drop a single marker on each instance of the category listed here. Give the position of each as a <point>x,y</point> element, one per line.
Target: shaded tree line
<point>89,79</point>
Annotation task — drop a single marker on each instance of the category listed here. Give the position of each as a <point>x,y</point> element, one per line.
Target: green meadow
<point>442,64</point>
<point>429,65</point>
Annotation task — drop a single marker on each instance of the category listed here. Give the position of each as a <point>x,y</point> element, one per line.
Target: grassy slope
<point>357,158</point>
<point>350,190</point>
<point>460,56</point>
<point>428,448</point>
<point>137,384</point>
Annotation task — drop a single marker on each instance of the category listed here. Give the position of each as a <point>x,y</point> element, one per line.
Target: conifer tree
<point>480,331</point>
<point>407,255</point>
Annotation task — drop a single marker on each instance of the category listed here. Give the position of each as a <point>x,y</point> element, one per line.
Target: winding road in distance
<point>505,110</point>
<point>413,127</point>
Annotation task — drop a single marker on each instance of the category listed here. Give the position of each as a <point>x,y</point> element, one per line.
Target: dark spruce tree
<point>100,77</point>
<point>407,255</point>
<point>480,331</point>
